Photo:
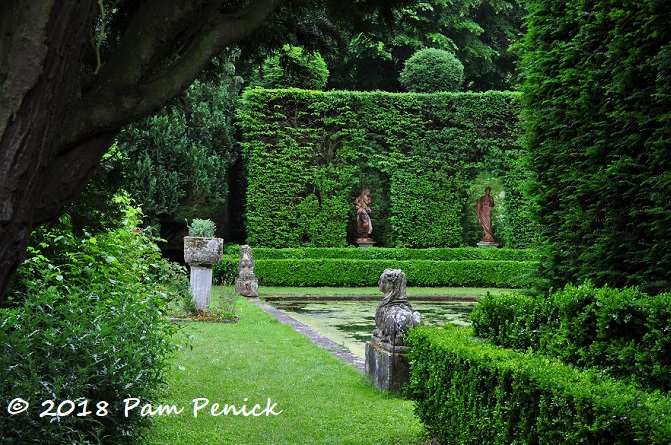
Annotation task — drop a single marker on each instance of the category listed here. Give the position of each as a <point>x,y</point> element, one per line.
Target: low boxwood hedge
<point>356,272</point>
<point>623,331</point>
<point>353,253</point>
<point>468,391</point>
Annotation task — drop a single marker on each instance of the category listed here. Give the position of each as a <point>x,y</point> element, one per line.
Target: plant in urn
<point>201,251</point>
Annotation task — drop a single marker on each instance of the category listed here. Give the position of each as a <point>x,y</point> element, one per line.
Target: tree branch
<point>155,24</point>
<point>96,119</point>
<point>117,102</point>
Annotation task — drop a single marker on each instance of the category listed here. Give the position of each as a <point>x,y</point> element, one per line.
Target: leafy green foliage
<point>202,228</point>
<point>478,32</point>
<point>95,209</point>
<point>293,68</point>
<point>86,322</point>
<point>597,95</point>
<point>622,331</point>
<point>309,154</point>
<point>178,159</point>
<point>469,391</point>
<point>432,70</point>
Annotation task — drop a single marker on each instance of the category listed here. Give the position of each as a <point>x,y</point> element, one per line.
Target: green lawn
<point>322,400</point>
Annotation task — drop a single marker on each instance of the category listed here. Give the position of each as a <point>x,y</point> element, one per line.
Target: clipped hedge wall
<point>437,254</point>
<point>597,96</point>
<point>308,154</point>
<point>470,392</point>
<point>623,331</point>
<point>362,267</point>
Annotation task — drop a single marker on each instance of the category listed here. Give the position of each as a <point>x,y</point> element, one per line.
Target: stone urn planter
<point>200,253</point>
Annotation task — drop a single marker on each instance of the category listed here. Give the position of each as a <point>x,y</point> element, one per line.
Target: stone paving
<point>318,339</point>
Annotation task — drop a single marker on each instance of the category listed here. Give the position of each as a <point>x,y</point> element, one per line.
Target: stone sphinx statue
<point>394,315</point>
<point>247,284</point>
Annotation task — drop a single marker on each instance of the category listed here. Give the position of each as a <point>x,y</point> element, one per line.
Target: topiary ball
<point>432,70</point>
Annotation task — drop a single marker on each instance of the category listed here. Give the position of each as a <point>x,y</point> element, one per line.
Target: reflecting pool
<point>351,322</point>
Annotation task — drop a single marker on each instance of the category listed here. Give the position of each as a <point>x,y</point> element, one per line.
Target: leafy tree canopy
<point>478,32</point>
<point>177,160</point>
<point>293,67</point>
<point>74,72</point>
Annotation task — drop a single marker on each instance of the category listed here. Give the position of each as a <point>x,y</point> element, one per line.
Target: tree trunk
<point>54,129</point>
<point>42,43</point>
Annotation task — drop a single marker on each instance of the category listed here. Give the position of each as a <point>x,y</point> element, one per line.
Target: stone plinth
<point>365,242</point>
<point>201,286</point>
<point>247,287</point>
<point>386,369</point>
<point>488,244</point>
<point>201,253</point>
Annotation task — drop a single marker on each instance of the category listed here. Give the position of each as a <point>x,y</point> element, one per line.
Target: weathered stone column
<point>201,253</point>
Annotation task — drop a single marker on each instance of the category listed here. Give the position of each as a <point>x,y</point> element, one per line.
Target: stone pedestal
<point>488,244</point>
<point>247,288</point>
<point>201,286</point>
<point>200,254</point>
<point>386,369</point>
<point>365,242</point>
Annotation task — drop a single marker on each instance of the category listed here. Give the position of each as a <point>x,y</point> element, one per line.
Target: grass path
<point>322,399</point>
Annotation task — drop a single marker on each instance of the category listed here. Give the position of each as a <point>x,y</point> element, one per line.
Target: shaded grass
<point>322,399</point>
<point>221,308</point>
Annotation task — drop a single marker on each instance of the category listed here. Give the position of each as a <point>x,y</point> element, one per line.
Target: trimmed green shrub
<point>436,253</point>
<point>598,99</point>
<point>354,273</point>
<point>309,154</point>
<point>622,331</point>
<point>432,70</point>
<point>469,392</point>
<point>86,325</point>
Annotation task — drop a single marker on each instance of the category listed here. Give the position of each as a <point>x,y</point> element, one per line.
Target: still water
<point>351,323</point>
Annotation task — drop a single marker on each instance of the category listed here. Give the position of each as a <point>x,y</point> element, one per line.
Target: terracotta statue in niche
<point>364,226</point>
<point>484,211</point>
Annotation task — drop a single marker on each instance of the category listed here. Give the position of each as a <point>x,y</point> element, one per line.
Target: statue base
<point>488,244</point>
<point>388,370</point>
<point>248,287</point>
<point>365,242</point>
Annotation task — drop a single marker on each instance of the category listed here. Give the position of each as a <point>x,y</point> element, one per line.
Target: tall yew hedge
<point>309,154</point>
<point>597,95</point>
